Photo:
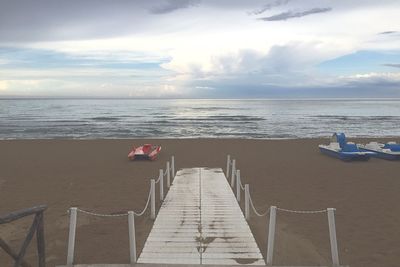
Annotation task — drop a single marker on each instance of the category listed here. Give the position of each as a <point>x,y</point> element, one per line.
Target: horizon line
<point>184,98</point>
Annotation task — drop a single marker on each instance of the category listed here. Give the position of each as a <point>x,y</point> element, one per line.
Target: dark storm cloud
<point>172,5</point>
<point>26,21</point>
<point>51,20</point>
<point>268,7</point>
<point>291,14</point>
<point>46,20</point>
<point>394,65</point>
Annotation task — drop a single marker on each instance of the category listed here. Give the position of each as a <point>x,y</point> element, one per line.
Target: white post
<point>332,237</point>
<point>247,201</point>
<point>173,166</point>
<point>228,164</point>
<point>153,199</point>
<point>271,235</point>
<point>71,237</point>
<point>168,175</point>
<point>132,236</point>
<point>161,176</point>
<point>238,185</point>
<point>233,172</point>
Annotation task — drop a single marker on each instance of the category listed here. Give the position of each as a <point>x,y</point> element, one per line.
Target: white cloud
<point>215,43</point>
<point>19,87</point>
<point>374,77</point>
<point>279,65</point>
<point>3,85</point>
<point>173,5</point>
<point>205,87</point>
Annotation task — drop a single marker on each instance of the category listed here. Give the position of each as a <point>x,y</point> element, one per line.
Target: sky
<point>200,49</point>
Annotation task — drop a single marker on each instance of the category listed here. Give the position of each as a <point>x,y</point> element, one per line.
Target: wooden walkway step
<point>161,265</point>
<point>200,222</point>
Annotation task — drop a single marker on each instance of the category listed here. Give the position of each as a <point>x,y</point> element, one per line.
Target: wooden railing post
<point>132,236</point>
<point>271,235</point>
<point>161,177</point>
<point>71,237</point>
<point>27,240</point>
<point>40,241</point>
<point>332,237</point>
<point>37,227</point>
<point>238,188</point>
<point>173,167</point>
<point>233,172</point>
<point>228,164</point>
<point>153,199</point>
<point>247,201</point>
<point>168,174</point>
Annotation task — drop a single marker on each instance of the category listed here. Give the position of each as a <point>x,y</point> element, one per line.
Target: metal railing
<point>235,179</point>
<point>151,200</point>
<point>37,226</point>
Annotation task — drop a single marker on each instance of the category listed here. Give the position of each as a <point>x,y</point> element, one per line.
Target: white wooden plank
<point>237,261</point>
<point>200,222</point>
<point>171,255</point>
<point>169,261</point>
<point>230,255</point>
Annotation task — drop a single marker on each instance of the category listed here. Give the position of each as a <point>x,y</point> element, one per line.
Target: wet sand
<point>96,175</point>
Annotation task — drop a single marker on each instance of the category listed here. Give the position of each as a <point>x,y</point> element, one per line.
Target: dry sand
<point>96,175</point>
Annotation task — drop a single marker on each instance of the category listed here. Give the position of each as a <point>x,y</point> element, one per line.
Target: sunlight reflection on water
<point>128,118</point>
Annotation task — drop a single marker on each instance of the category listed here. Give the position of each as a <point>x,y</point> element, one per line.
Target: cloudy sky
<point>199,48</point>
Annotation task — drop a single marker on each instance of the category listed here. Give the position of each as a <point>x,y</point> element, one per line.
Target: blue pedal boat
<point>389,151</point>
<point>346,151</point>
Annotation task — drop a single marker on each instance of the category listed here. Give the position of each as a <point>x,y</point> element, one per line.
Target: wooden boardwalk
<point>164,265</point>
<point>200,222</point>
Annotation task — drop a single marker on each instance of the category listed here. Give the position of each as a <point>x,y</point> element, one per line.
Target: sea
<point>197,118</point>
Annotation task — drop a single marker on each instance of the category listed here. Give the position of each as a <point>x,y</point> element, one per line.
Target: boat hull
<point>345,156</point>
<point>146,152</point>
<point>381,155</point>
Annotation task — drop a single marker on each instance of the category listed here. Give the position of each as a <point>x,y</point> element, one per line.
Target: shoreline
<point>96,175</point>
<point>326,138</point>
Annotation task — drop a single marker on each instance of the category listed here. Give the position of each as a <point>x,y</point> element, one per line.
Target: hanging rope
<point>302,211</point>
<point>146,206</point>
<point>281,209</point>
<point>118,214</point>
<point>255,210</point>
<point>102,215</point>
<point>241,186</point>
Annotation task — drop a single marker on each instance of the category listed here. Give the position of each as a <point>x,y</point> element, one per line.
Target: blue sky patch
<point>362,62</point>
<point>43,59</point>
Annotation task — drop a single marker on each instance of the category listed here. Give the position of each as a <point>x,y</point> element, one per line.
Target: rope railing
<point>166,172</point>
<point>302,211</point>
<point>146,206</point>
<point>231,169</point>
<point>151,199</point>
<point>101,214</point>
<point>236,179</point>
<point>168,169</point>
<point>255,210</point>
<point>241,185</point>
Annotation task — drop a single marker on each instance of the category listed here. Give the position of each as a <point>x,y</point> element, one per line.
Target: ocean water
<point>130,118</point>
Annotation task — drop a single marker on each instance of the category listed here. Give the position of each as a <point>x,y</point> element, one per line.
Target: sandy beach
<point>96,175</point>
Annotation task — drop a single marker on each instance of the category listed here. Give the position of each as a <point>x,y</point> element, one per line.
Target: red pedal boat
<point>147,152</point>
